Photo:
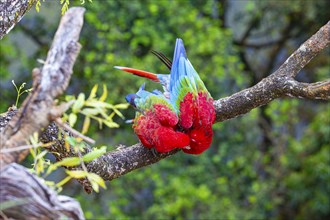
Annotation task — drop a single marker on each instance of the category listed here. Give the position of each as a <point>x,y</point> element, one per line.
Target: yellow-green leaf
<point>69,162</point>
<point>111,124</point>
<point>94,154</point>
<point>94,103</point>
<point>41,155</point>
<point>100,122</point>
<point>69,98</point>
<point>95,186</point>
<point>50,169</point>
<point>118,113</point>
<point>122,105</point>
<point>72,119</point>
<point>104,94</point>
<point>90,111</point>
<point>78,174</point>
<point>111,116</point>
<point>96,181</point>
<point>34,139</point>
<point>79,103</point>
<point>102,112</point>
<point>86,124</point>
<point>64,181</point>
<point>93,92</point>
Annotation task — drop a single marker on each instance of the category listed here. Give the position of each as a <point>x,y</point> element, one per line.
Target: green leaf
<point>69,98</point>
<point>71,140</point>
<point>102,112</point>
<point>96,181</point>
<point>122,106</point>
<point>94,103</point>
<point>100,122</point>
<point>111,124</point>
<point>34,139</point>
<point>64,181</point>
<point>93,92</point>
<point>95,186</point>
<point>104,94</point>
<point>69,162</point>
<point>77,174</point>
<point>38,4</point>
<point>72,119</point>
<point>41,155</point>
<point>94,154</point>
<point>90,111</point>
<point>79,103</point>
<point>86,125</point>
<point>118,113</point>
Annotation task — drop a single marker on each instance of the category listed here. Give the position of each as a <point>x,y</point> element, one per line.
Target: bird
<point>186,96</point>
<point>155,121</point>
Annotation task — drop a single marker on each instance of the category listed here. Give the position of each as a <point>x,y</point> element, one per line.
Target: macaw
<point>187,98</point>
<point>155,121</point>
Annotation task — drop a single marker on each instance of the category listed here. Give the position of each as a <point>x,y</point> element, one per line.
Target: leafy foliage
<point>93,108</point>
<point>64,3</point>
<point>20,91</point>
<point>43,167</point>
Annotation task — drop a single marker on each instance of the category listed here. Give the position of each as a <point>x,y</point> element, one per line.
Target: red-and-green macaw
<point>185,96</point>
<point>156,121</point>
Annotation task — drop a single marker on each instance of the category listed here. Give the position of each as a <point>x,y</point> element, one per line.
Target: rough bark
<point>11,12</point>
<point>25,196</point>
<point>38,109</point>
<point>22,194</point>
<point>281,83</point>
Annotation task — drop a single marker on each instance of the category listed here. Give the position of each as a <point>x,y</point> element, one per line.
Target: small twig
<point>82,163</point>
<point>85,182</point>
<point>23,147</point>
<point>74,132</point>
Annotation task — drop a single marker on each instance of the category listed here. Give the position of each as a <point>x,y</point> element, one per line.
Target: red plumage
<point>197,115</point>
<point>156,129</point>
<point>165,116</point>
<point>187,111</point>
<point>200,140</point>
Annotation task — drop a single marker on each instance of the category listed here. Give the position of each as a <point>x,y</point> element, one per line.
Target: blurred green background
<point>272,163</point>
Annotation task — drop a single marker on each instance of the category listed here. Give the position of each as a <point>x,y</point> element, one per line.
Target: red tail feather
<point>141,73</point>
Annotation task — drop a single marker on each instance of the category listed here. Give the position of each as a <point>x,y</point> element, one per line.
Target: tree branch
<point>11,12</point>
<point>281,83</point>
<point>38,109</point>
<point>29,198</point>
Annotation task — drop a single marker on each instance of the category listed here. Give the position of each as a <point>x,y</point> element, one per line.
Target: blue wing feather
<point>182,79</point>
<point>183,74</point>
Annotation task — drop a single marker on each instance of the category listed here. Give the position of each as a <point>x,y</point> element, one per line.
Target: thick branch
<point>30,198</point>
<point>318,90</point>
<point>11,12</point>
<point>281,83</point>
<point>39,108</point>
